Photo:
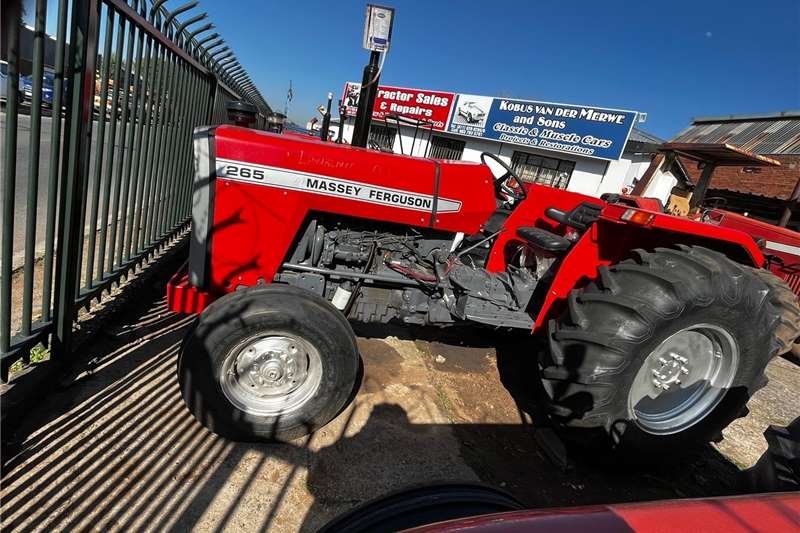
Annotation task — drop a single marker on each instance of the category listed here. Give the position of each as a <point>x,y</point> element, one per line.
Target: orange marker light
<point>638,217</point>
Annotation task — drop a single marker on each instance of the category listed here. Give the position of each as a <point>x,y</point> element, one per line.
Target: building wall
<point>639,163</point>
<point>592,177</point>
<point>774,182</point>
<point>661,185</point>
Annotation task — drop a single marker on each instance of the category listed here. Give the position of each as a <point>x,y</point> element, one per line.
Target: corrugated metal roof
<point>778,133</point>
<point>723,155</point>
<point>644,137</point>
<point>792,113</point>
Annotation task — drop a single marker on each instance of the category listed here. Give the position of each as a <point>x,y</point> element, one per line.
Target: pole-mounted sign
<point>377,37</point>
<point>378,28</point>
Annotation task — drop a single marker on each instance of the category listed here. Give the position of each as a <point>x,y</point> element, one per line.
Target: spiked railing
<point>97,151</point>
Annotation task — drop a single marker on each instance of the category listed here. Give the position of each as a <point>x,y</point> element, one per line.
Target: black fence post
<point>75,169</point>
<point>9,28</point>
<point>212,101</point>
<point>149,99</point>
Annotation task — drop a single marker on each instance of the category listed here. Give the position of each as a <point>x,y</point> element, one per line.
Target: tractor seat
<point>543,239</point>
<point>580,217</point>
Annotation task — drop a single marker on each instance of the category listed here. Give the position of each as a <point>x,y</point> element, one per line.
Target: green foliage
<point>38,354</point>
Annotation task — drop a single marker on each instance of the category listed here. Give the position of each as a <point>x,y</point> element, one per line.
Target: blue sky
<point>673,60</point>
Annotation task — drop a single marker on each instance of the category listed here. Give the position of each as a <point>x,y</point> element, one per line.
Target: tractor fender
<point>613,239</point>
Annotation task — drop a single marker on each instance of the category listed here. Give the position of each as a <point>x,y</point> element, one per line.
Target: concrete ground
<point>118,451</point>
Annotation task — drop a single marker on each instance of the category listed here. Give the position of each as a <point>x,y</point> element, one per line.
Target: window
<point>533,168</point>
<point>444,148</point>
<point>382,137</point>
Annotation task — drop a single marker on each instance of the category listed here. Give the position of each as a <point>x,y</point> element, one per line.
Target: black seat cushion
<point>541,238</point>
<point>580,218</point>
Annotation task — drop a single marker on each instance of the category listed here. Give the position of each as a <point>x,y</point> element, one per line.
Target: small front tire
<point>268,363</point>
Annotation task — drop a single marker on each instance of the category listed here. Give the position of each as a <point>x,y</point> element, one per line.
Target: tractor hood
<point>254,189</point>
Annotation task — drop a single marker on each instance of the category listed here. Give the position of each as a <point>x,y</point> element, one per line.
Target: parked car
<point>475,508</point>
<point>3,80</point>
<point>26,89</point>
<point>471,112</point>
<point>4,83</point>
<point>98,103</point>
<point>47,89</point>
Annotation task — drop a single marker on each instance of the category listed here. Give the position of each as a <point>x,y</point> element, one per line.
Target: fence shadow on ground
<point>118,450</point>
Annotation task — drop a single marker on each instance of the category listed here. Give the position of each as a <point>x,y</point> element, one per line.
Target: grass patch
<point>445,403</point>
<point>38,354</point>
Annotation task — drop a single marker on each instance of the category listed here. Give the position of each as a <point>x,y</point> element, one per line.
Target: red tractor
<point>781,248</point>
<point>659,328</point>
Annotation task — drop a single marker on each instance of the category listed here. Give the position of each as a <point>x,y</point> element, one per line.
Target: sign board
<point>594,132</point>
<point>429,106</point>
<point>378,28</point>
<point>587,131</point>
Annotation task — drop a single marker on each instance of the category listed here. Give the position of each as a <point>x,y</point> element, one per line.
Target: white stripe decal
<point>329,186</point>
<point>785,248</point>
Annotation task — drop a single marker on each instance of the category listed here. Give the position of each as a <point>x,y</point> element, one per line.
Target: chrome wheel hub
<point>272,366</point>
<point>668,372</point>
<point>271,374</point>
<point>683,379</point>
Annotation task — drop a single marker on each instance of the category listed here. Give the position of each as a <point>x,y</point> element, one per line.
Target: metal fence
<point>97,147</point>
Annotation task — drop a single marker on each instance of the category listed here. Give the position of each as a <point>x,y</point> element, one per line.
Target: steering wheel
<point>509,184</point>
<point>715,202</point>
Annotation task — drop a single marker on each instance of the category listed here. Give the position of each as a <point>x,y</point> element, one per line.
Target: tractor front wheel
<point>663,352</point>
<point>270,362</point>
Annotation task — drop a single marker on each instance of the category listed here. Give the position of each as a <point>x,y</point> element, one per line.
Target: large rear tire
<point>269,363</point>
<point>788,332</point>
<point>663,352</point>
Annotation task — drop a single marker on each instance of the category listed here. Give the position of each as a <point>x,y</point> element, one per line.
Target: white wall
<point>639,163</point>
<point>587,176</point>
<point>661,184</point>
<point>592,177</point>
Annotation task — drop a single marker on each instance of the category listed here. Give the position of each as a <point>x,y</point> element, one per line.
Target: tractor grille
<point>794,282</point>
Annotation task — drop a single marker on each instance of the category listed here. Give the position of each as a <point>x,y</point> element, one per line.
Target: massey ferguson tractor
<point>658,328</point>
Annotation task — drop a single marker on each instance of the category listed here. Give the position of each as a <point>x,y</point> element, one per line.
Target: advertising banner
<point>430,106</point>
<point>586,131</point>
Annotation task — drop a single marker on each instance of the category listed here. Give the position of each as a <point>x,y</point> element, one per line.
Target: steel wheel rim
<point>271,374</point>
<point>683,379</point>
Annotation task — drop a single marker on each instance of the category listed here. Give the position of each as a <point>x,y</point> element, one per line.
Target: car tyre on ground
<point>424,505</point>
<point>662,352</point>
<point>270,363</point>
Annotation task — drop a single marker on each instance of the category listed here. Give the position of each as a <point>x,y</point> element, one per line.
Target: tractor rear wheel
<point>788,332</point>
<point>270,362</point>
<point>663,352</point>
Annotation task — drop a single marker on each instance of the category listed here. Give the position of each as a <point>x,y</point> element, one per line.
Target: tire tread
<point>628,302</point>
